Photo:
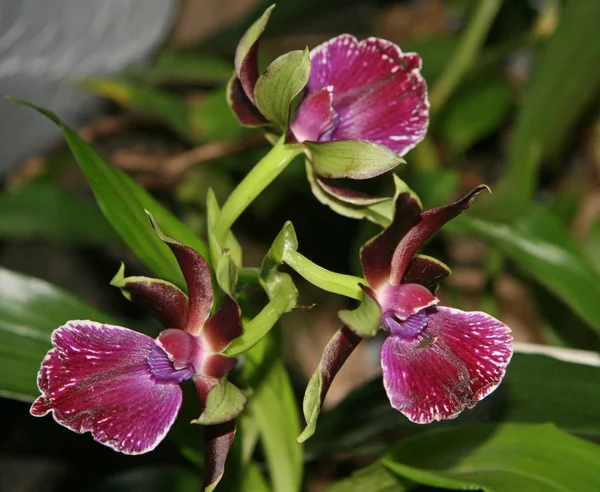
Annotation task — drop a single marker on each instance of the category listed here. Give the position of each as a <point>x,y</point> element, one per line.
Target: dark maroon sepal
<point>431,221</point>
<point>197,277</point>
<point>159,297</point>
<point>218,365</point>
<point>339,348</point>
<point>218,440</point>
<point>426,271</point>
<point>346,195</point>
<point>377,254</point>
<point>242,108</point>
<point>225,326</point>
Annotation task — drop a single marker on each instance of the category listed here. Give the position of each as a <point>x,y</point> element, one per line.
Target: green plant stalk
<point>466,53</point>
<point>338,283</point>
<point>255,182</point>
<point>257,328</point>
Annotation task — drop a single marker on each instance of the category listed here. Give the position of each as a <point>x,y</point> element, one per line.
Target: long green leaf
<point>29,310</point>
<point>564,81</point>
<point>123,201</point>
<point>536,389</point>
<point>273,405</point>
<point>542,247</point>
<point>49,212</point>
<point>499,458</point>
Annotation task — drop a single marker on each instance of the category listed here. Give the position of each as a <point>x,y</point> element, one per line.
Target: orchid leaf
<point>30,309</point>
<point>498,458</point>
<point>123,202</point>
<point>49,212</point>
<point>273,406</point>
<point>375,478</point>
<point>551,105</point>
<point>283,80</point>
<point>541,246</point>
<point>536,389</point>
<point>355,159</point>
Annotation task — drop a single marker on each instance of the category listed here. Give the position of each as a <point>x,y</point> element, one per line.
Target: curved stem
<point>255,182</point>
<point>338,283</point>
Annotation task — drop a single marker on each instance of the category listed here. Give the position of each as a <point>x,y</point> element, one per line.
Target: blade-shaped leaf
<point>376,478</point>
<point>123,203</point>
<point>536,389</point>
<point>274,407</point>
<point>565,79</point>
<point>498,458</point>
<point>543,248</point>
<point>29,310</point>
<point>49,212</point>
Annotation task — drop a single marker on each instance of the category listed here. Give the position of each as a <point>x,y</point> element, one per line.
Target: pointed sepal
<point>354,159</point>
<point>241,107</point>
<point>197,277</point>
<point>159,297</point>
<point>281,83</point>
<point>429,223</point>
<point>335,354</point>
<point>218,440</point>
<point>427,271</point>
<point>349,203</point>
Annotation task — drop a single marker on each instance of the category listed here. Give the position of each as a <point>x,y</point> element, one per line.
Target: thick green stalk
<point>263,174</point>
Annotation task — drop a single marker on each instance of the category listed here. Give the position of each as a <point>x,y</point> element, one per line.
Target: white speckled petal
<point>379,93</point>
<point>458,359</point>
<point>111,381</point>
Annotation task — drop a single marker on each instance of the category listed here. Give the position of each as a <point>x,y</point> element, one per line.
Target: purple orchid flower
<point>123,386</point>
<point>368,92</point>
<point>437,360</point>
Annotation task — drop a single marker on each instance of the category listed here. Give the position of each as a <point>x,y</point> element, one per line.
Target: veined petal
<point>378,91</point>
<point>458,359</point>
<point>315,116</point>
<point>430,222</point>
<point>98,379</point>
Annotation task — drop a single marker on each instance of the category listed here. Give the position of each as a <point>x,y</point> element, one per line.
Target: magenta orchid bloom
<point>123,386</point>
<point>437,360</point>
<point>365,90</point>
<point>363,105</point>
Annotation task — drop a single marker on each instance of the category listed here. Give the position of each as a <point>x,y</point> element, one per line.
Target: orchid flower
<point>436,360</point>
<point>123,386</point>
<point>362,106</point>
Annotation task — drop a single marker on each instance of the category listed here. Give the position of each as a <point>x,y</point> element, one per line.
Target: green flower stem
<point>338,283</point>
<point>257,328</point>
<point>466,52</point>
<point>263,174</point>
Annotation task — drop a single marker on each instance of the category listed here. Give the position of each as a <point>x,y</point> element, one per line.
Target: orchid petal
<point>458,359</point>
<point>378,91</point>
<point>224,327</point>
<point>159,297</point>
<point>315,116</point>
<point>376,255</point>
<point>197,277</point>
<point>98,379</point>
<point>405,300</point>
<point>430,222</point>
<point>426,271</point>
<point>242,107</point>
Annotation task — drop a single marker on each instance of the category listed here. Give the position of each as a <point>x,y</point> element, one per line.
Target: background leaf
<point>502,458</point>
<point>29,310</point>
<point>47,211</point>
<point>123,202</point>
